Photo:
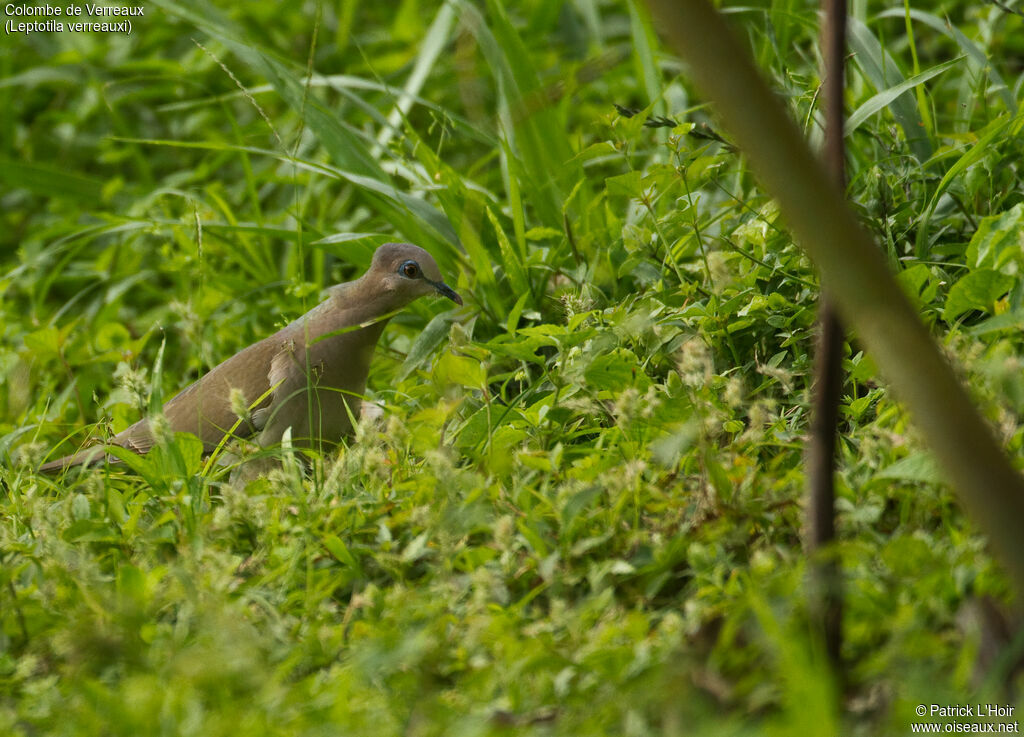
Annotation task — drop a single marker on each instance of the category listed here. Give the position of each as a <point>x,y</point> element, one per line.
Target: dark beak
<point>446,291</point>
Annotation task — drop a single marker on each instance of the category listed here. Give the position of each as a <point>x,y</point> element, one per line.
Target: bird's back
<point>204,408</point>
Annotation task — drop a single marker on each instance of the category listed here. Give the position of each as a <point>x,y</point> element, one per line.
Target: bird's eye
<point>409,269</point>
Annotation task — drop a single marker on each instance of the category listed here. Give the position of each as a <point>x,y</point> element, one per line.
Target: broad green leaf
<point>998,239</point>
<point>978,290</point>
<point>45,342</point>
<point>340,551</point>
<point>452,369</point>
<point>522,346</point>
<point>913,280</point>
<point>629,184</point>
<point>615,371</point>
<point>919,467</point>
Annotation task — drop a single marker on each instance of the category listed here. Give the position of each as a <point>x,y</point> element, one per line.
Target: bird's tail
<point>88,457</point>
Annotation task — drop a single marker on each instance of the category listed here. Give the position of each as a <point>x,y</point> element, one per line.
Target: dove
<point>308,377</point>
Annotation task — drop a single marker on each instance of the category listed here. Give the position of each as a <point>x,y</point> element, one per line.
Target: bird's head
<point>406,272</point>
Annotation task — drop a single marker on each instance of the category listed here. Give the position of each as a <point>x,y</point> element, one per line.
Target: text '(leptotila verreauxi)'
<point>310,374</point>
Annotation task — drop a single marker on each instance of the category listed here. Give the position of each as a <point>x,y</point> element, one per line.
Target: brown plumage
<point>311,373</point>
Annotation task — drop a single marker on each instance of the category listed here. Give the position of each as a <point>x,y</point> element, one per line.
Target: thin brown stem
<point>826,604</point>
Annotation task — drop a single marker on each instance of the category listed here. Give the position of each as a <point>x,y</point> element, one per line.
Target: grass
<point>581,511</point>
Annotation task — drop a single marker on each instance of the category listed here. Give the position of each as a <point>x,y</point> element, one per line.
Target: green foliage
<point>580,512</point>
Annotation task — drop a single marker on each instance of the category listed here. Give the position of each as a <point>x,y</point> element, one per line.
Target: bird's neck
<point>350,309</point>
<point>362,301</point>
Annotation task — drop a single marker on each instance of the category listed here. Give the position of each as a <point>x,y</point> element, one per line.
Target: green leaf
<point>510,258</point>
<point>535,539</point>
<point>983,146</point>
<point>978,290</point>
<point>141,464</point>
<point>183,456</point>
<point>913,280</point>
<point>969,48</point>
<point>615,371</point>
<point>90,530</point>
<point>542,234</point>
<point>45,342</point>
<point>462,370</point>
<point>354,248</point>
<point>536,129</point>
<point>1012,320</point>
<point>47,181</point>
<point>998,239</point>
<point>347,149</point>
<point>112,336</point>
<point>881,69</point>
<point>919,467</point>
<point>597,150</point>
<point>426,342</point>
<point>644,45</point>
<point>884,98</point>
<point>340,551</point>
<point>578,502</point>
<point>522,346</point>
<point>629,184</point>
<point>512,323</point>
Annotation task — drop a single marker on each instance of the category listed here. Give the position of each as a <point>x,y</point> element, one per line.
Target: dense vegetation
<point>580,511</point>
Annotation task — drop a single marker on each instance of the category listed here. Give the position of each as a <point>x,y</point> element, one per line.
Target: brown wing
<point>204,407</point>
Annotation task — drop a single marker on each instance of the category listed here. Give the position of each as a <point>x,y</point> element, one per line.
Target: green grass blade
<point>434,43</point>
<point>883,99</point>
<point>48,181</point>
<point>882,71</point>
<point>969,47</point>
<point>975,153</point>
